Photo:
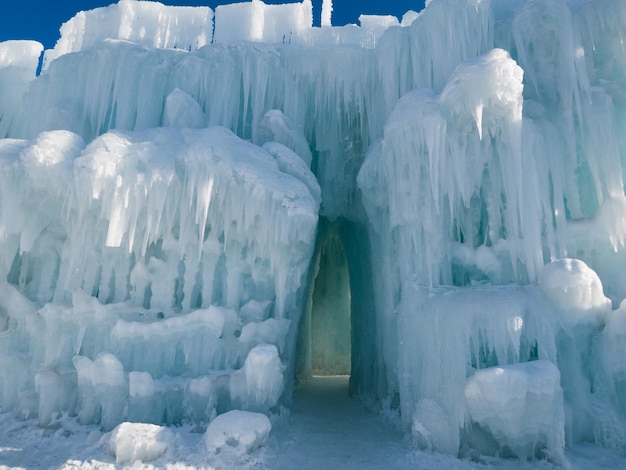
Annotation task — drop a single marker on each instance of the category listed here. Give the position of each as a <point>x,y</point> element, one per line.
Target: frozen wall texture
<point>162,180</point>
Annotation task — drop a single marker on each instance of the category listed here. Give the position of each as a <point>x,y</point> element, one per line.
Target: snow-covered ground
<point>325,429</point>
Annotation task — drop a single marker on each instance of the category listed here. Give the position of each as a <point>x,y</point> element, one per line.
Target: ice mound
<point>131,442</point>
<point>373,27</point>
<point>181,111</point>
<point>258,385</point>
<point>521,407</point>
<point>576,291</point>
<point>237,433</point>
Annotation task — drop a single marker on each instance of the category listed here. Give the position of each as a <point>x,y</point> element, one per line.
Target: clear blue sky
<point>41,19</point>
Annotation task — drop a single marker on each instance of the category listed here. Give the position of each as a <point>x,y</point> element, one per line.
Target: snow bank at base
<point>237,433</point>
<point>131,442</point>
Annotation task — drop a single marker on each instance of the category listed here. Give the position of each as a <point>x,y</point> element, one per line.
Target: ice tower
<point>198,207</point>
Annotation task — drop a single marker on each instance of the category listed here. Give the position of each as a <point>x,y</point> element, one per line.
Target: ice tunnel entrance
<point>337,333</point>
<point>331,346</point>
<point>325,343</point>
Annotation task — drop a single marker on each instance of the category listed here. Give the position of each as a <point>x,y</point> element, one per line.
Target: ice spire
<point>327,10</point>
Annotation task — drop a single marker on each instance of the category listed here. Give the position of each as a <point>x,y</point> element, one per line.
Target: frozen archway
<point>337,334</point>
<point>330,310</point>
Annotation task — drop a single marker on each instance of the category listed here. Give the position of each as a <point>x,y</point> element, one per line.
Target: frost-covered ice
<point>130,442</point>
<point>575,291</point>
<point>151,24</point>
<point>168,281</point>
<point>200,208</point>
<point>19,61</point>
<point>521,407</point>
<point>239,432</point>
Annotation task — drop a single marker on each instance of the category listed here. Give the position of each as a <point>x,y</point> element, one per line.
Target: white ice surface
<point>130,442</point>
<point>521,406</point>
<point>19,61</point>
<point>148,23</point>
<point>576,291</point>
<point>21,55</point>
<point>260,22</point>
<point>239,432</point>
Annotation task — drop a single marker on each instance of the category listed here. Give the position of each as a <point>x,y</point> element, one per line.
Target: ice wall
<point>507,161</point>
<point>157,291</point>
<point>458,153</point>
<point>150,24</point>
<point>156,25</point>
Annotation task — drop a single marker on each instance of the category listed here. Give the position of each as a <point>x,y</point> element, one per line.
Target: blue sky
<point>41,19</point>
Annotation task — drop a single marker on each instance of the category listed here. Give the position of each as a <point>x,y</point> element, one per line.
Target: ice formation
<point>182,193</point>
<point>130,442</point>
<point>237,432</point>
<point>520,406</point>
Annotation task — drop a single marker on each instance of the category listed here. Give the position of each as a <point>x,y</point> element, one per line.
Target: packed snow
<point>131,442</point>
<point>238,432</point>
<point>200,210</point>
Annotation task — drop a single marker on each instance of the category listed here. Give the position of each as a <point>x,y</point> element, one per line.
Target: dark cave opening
<point>324,344</point>
<point>337,332</point>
